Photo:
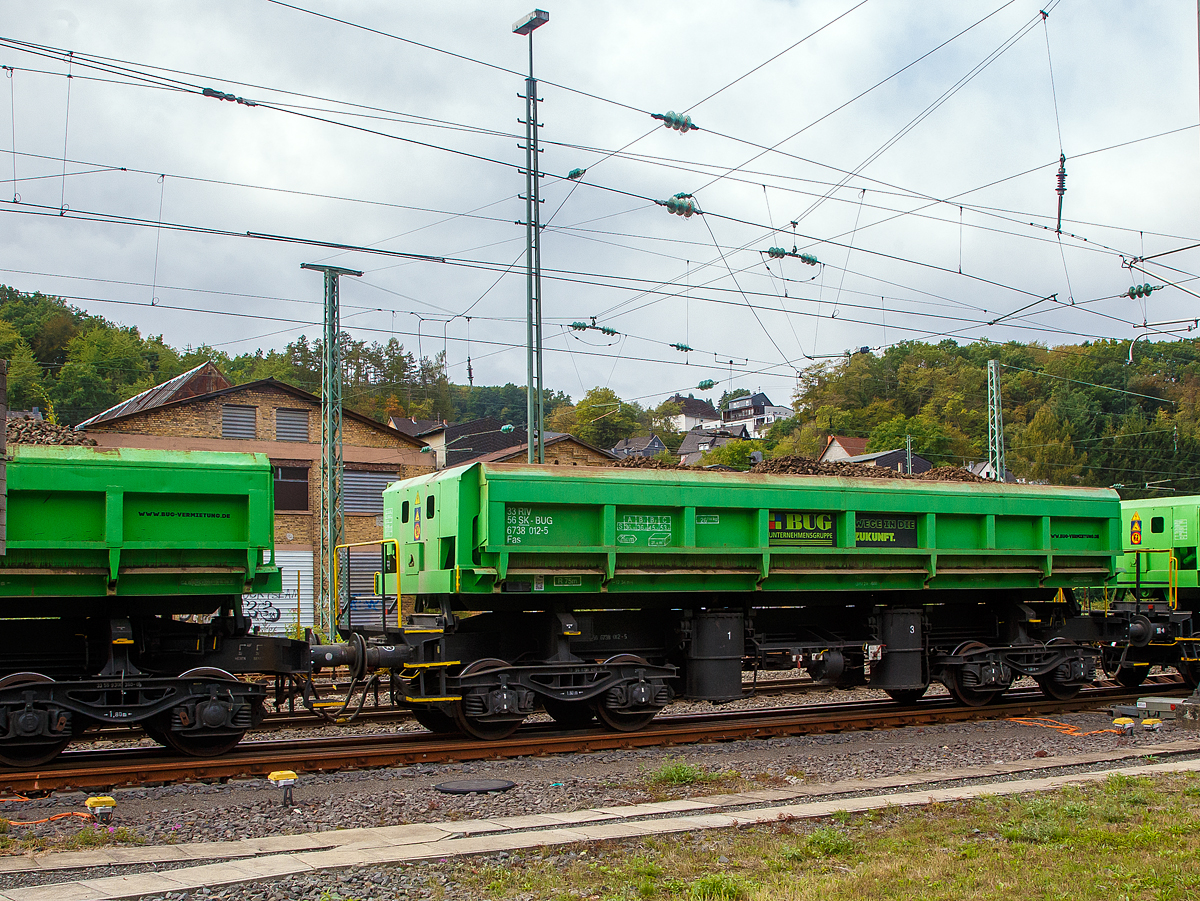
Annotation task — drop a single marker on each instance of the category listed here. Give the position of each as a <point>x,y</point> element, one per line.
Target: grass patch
<point>678,771</point>
<point>94,835</point>
<point>20,840</point>
<point>717,887</point>
<point>1122,838</point>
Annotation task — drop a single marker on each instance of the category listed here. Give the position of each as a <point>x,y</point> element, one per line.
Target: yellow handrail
<point>1172,572</point>
<point>337,593</point>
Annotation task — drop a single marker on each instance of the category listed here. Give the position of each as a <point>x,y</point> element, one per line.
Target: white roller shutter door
<point>362,492</point>
<point>280,612</point>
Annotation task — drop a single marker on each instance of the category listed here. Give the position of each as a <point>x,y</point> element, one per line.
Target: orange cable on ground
<point>57,816</point>
<point>1064,728</point>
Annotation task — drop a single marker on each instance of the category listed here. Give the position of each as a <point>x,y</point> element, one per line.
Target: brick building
<point>201,410</point>
<point>560,449</point>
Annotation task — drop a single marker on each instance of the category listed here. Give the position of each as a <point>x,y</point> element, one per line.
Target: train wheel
<point>969,695</point>
<point>27,754</point>
<point>906,697</point>
<point>434,720</point>
<point>34,752</point>
<point>1057,690</point>
<point>570,714</point>
<point>157,735</point>
<point>202,745</point>
<point>484,730</point>
<point>619,720</point>
<point>1131,675</point>
<point>205,743</point>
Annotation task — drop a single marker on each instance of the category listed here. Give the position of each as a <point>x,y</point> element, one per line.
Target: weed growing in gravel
<point>95,835</point>
<point>678,771</point>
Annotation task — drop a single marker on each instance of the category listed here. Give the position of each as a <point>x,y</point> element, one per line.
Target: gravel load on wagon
<point>646,463</point>
<point>38,431</point>
<point>805,466</point>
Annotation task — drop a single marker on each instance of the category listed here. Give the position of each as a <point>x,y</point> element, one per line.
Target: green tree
<point>117,355</point>
<point>562,419</point>
<point>81,391</point>
<point>25,388</point>
<point>1046,452</point>
<point>602,419</point>
<point>931,439</point>
<point>661,424</point>
<point>735,454</point>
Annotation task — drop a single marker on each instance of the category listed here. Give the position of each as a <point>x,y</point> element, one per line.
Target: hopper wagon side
<point>606,592</point>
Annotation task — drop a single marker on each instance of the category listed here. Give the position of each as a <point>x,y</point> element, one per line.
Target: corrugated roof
<point>204,379</point>
<point>476,438</point>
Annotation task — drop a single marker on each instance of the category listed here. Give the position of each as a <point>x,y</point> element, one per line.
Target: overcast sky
<point>947,165</point>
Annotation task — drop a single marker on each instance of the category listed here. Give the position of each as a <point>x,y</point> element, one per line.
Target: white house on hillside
<point>693,411</point>
<point>755,412</point>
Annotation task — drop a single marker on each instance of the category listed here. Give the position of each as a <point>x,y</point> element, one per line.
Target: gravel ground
<point>251,808</point>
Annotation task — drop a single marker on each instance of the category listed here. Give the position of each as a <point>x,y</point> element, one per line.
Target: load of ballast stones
<point>804,466</point>
<point>807,467</point>
<point>39,431</point>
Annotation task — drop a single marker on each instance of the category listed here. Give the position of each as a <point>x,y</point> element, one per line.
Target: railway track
<point>93,769</point>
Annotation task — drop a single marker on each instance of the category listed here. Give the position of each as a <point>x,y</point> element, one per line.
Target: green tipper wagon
<point>606,591</point>
<point>106,551</point>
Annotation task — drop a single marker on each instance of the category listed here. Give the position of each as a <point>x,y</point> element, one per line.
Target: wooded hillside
<point>1073,414</point>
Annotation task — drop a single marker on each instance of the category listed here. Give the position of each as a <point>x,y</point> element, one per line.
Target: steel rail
<point>92,769</point>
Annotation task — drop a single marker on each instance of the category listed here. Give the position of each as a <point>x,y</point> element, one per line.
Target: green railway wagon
<point>1157,589</point>
<point>606,591</point>
<point>120,596</point>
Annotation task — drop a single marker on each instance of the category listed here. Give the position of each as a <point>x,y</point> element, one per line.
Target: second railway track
<point>104,768</point>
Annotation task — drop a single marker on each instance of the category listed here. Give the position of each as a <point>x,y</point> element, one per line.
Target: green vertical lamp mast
<point>330,529</point>
<point>533,246</point>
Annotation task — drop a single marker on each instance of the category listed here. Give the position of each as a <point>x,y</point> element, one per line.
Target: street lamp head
<point>526,24</point>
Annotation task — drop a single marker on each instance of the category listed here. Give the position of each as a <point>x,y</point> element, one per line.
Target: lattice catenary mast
<point>330,528</point>
<point>995,423</point>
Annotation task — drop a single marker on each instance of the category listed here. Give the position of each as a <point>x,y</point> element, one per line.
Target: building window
<point>291,488</point>
<point>362,492</point>
<point>237,422</point>
<point>291,425</point>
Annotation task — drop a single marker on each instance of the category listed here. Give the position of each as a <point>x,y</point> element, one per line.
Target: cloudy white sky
<point>899,171</point>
